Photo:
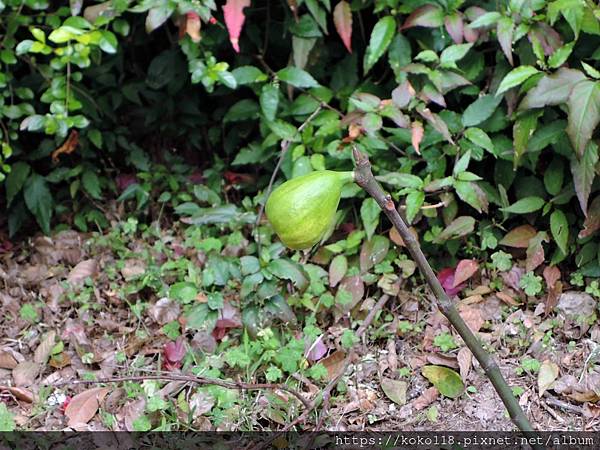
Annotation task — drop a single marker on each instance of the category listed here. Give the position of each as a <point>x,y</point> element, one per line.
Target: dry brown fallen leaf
<point>84,405</point>
<point>7,361</point>
<point>425,399</point>
<point>465,358</point>
<point>333,363</point>
<point>81,271</point>
<point>42,352</point>
<point>19,393</point>
<point>25,373</point>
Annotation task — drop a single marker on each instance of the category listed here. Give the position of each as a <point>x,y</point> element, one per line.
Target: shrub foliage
<point>479,117</point>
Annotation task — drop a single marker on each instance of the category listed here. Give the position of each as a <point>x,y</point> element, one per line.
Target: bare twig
<point>196,380</point>
<point>565,406</point>
<point>365,179</point>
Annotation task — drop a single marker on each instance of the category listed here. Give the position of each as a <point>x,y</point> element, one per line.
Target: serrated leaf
<point>342,19</point>
<point>584,113</point>
<point>560,56</point>
<point>515,77</point>
<point>381,37</point>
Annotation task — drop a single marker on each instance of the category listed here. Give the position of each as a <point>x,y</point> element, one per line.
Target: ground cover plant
<point>141,140</point>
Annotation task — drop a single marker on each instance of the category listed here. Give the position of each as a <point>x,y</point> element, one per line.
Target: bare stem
<point>365,179</point>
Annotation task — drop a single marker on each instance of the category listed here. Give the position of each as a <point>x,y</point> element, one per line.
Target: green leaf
<point>287,269</point>
<point>248,75</point>
<point>91,184</point>
<point>459,227</point>
<point>525,205</point>
<point>269,100</point>
<point>297,77</point>
<point>584,113</point>
<point>584,171</point>
<point>552,89</point>
<point>184,292</point>
<point>369,213</point>
<point>403,180</point>
<point>480,110</point>
<point>39,201</point>
<point>472,194</point>
<point>560,56</point>
<point>559,226</point>
<point>446,380</point>
<point>7,422</point>
<point>414,201</point>
<point>505,32</point>
<point>523,129</point>
<point>485,20</point>
<point>454,53</point>
<point>381,37</point>
<point>515,77</point>
<point>479,137</point>
<point>553,176</point>
<point>16,179</point>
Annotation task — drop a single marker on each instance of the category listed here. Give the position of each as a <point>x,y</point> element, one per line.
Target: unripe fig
<point>302,209</point>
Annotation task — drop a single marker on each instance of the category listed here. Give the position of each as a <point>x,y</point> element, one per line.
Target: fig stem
<point>365,179</point>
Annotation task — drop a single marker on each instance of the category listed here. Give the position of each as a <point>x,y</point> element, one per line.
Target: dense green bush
<point>478,117</point>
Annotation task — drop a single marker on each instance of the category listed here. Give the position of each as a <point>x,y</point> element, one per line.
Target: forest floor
<point>68,316</point>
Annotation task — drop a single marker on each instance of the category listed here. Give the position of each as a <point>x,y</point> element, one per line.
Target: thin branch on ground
<point>565,406</point>
<point>196,380</point>
<point>365,179</point>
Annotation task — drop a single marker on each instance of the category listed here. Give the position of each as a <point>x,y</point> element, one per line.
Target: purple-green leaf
<point>552,89</point>
<point>584,113</point>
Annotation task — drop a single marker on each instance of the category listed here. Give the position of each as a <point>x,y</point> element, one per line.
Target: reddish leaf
<point>229,317</point>
<point>81,408</point>
<point>547,36</point>
<point>505,31</point>
<point>342,18</point>
<point>417,135</point>
<point>535,251</point>
<point>454,27</point>
<point>551,275</point>
<point>429,16</point>
<point>314,350</point>
<point>190,25</point>
<point>464,270</point>
<point>471,35</point>
<point>519,237</point>
<point>446,277</point>
<point>174,352</point>
<point>402,95</point>
<point>337,269</point>
<point>234,20</point>
<point>591,223</point>
<point>124,180</point>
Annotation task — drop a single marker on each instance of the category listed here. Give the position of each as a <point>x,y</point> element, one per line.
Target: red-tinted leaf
<point>417,135</point>
<point>535,251</point>
<point>551,275</point>
<point>436,122</point>
<point>402,95</point>
<point>584,172</point>
<point>547,36</point>
<point>314,350</point>
<point>373,252</point>
<point>124,180</point>
<point>234,20</point>
<point>190,25</point>
<point>446,277</point>
<point>342,18</point>
<point>505,30</point>
<point>465,269</point>
<point>174,352</point>
<point>471,35</point>
<point>337,269</point>
<point>81,408</point>
<point>519,237</point>
<point>454,27</point>
<point>229,317</point>
<point>429,16</point>
<point>590,225</point>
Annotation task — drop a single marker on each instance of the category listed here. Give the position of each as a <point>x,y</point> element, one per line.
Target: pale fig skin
<point>302,209</point>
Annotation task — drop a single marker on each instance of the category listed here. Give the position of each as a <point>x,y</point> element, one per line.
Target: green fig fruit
<point>302,209</point>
